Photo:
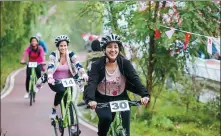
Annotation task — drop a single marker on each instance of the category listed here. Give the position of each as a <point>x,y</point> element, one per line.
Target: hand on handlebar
<point>144,100</point>
<point>22,62</point>
<point>85,77</point>
<point>51,80</point>
<point>92,104</point>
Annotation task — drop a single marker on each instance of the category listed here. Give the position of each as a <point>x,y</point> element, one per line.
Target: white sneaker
<point>26,95</point>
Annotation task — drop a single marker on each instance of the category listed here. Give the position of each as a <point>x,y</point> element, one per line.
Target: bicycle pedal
<point>53,123</point>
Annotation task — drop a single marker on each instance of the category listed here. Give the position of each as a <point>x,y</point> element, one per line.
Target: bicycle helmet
<point>105,40</point>
<point>34,37</point>
<point>38,35</point>
<point>61,38</point>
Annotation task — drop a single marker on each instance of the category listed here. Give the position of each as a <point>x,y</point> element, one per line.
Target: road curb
<point>9,84</point>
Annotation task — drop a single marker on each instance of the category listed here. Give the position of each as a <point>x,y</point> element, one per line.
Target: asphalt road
<point>20,119</point>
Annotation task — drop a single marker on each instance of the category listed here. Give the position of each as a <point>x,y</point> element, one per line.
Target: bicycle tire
<point>30,95</point>
<point>53,123</point>
<point>74,116</point>
<point>34,94</point>
<point>122,133</point>
<point>61,129</point>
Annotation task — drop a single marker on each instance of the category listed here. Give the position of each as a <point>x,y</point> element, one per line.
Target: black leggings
<point>106,117</point>
<point>59,89</point>
<point>28,75</point>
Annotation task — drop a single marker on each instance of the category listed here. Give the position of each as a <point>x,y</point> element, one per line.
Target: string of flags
<point>170,33</point>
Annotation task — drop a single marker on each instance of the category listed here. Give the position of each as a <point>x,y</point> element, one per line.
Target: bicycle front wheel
<point>73,127</point>
<point>122,133</point>
<point>53,123</point>
<point>31,97</point>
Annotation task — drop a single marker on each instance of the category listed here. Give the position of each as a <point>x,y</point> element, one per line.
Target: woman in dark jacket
<point>109,78</point>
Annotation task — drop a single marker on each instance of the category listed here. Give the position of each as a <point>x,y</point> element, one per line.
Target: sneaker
<point>74,130</point>
<point>26,95</point>
<point>53,115</point>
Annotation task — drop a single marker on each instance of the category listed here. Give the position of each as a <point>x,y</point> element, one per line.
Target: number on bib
<point>32,64</point>
<point>68,82</point>
<point>119,106</point>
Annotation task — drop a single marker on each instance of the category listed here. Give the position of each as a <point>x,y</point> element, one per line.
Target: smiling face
<point>62,47</point>
<point>34,43</point>
<point>112,50</point>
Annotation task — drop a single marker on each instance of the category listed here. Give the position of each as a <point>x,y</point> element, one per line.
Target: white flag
<point>170,32</point>
<point>209,45</point>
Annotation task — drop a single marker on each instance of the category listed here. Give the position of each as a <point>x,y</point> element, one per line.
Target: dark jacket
<point>97,74</point>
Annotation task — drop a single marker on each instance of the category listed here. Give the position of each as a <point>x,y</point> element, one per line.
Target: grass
<point>9,63</point>
<point>171,119</point>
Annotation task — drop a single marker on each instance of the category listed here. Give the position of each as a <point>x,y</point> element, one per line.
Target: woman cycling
<point>35,54</point>
<point>109,78</point>
<point>62,64</point>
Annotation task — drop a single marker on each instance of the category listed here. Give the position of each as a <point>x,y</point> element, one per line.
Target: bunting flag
<point>187,38</point>
<point>170,33</point>
<point>209,45</point>
<point>157,34</point>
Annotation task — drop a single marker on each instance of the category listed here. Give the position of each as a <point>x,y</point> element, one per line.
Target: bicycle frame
<point>65,110</point>
<point>33,79</point>
<point>69,117</point>
<point>116,125</point>
<point>32,82</point>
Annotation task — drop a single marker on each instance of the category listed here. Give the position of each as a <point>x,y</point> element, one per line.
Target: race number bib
<point>119,106</point>
<point>68,82</point>
<point>32,64</point>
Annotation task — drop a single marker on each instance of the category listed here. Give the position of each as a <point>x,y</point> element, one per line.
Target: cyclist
<point>42,43</point>
<point>109,78</point>
<point>35,54</point>
<point>62,64</point>
<point>92,56</point>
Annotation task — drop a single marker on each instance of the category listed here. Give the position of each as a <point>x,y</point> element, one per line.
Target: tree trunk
<point>151,60</point>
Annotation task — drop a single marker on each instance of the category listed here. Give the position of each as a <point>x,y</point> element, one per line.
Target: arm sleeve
<point>51,64</point>
<point>25,53</point>
<point>76,63</point>
<point>89,93</point>
<point>134,79</point>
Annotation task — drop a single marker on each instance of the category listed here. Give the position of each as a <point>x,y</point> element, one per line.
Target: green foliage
<point>73,19</point>
<point>15,34</point>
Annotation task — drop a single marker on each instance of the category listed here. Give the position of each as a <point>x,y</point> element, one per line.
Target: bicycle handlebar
<point>107,104</point>
<point>59,81</point>
<point>41,63</point>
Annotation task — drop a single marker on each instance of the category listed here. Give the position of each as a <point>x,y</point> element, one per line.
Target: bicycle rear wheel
<point>74,121</point>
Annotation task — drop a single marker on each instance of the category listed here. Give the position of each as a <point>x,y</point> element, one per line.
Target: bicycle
<point>69,115</point>
<point>116,128</point>
<point>33,80</point>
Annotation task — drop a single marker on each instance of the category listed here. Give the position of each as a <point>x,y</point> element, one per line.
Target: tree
<point>16,25</point>
<point>146,28</point>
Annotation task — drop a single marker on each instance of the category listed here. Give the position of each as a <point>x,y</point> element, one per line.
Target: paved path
<point>19,119</point>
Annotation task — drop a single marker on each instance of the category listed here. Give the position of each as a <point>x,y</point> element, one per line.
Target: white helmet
<point>110,38</point>
<point>62,38</point>
<point>38,35</point>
